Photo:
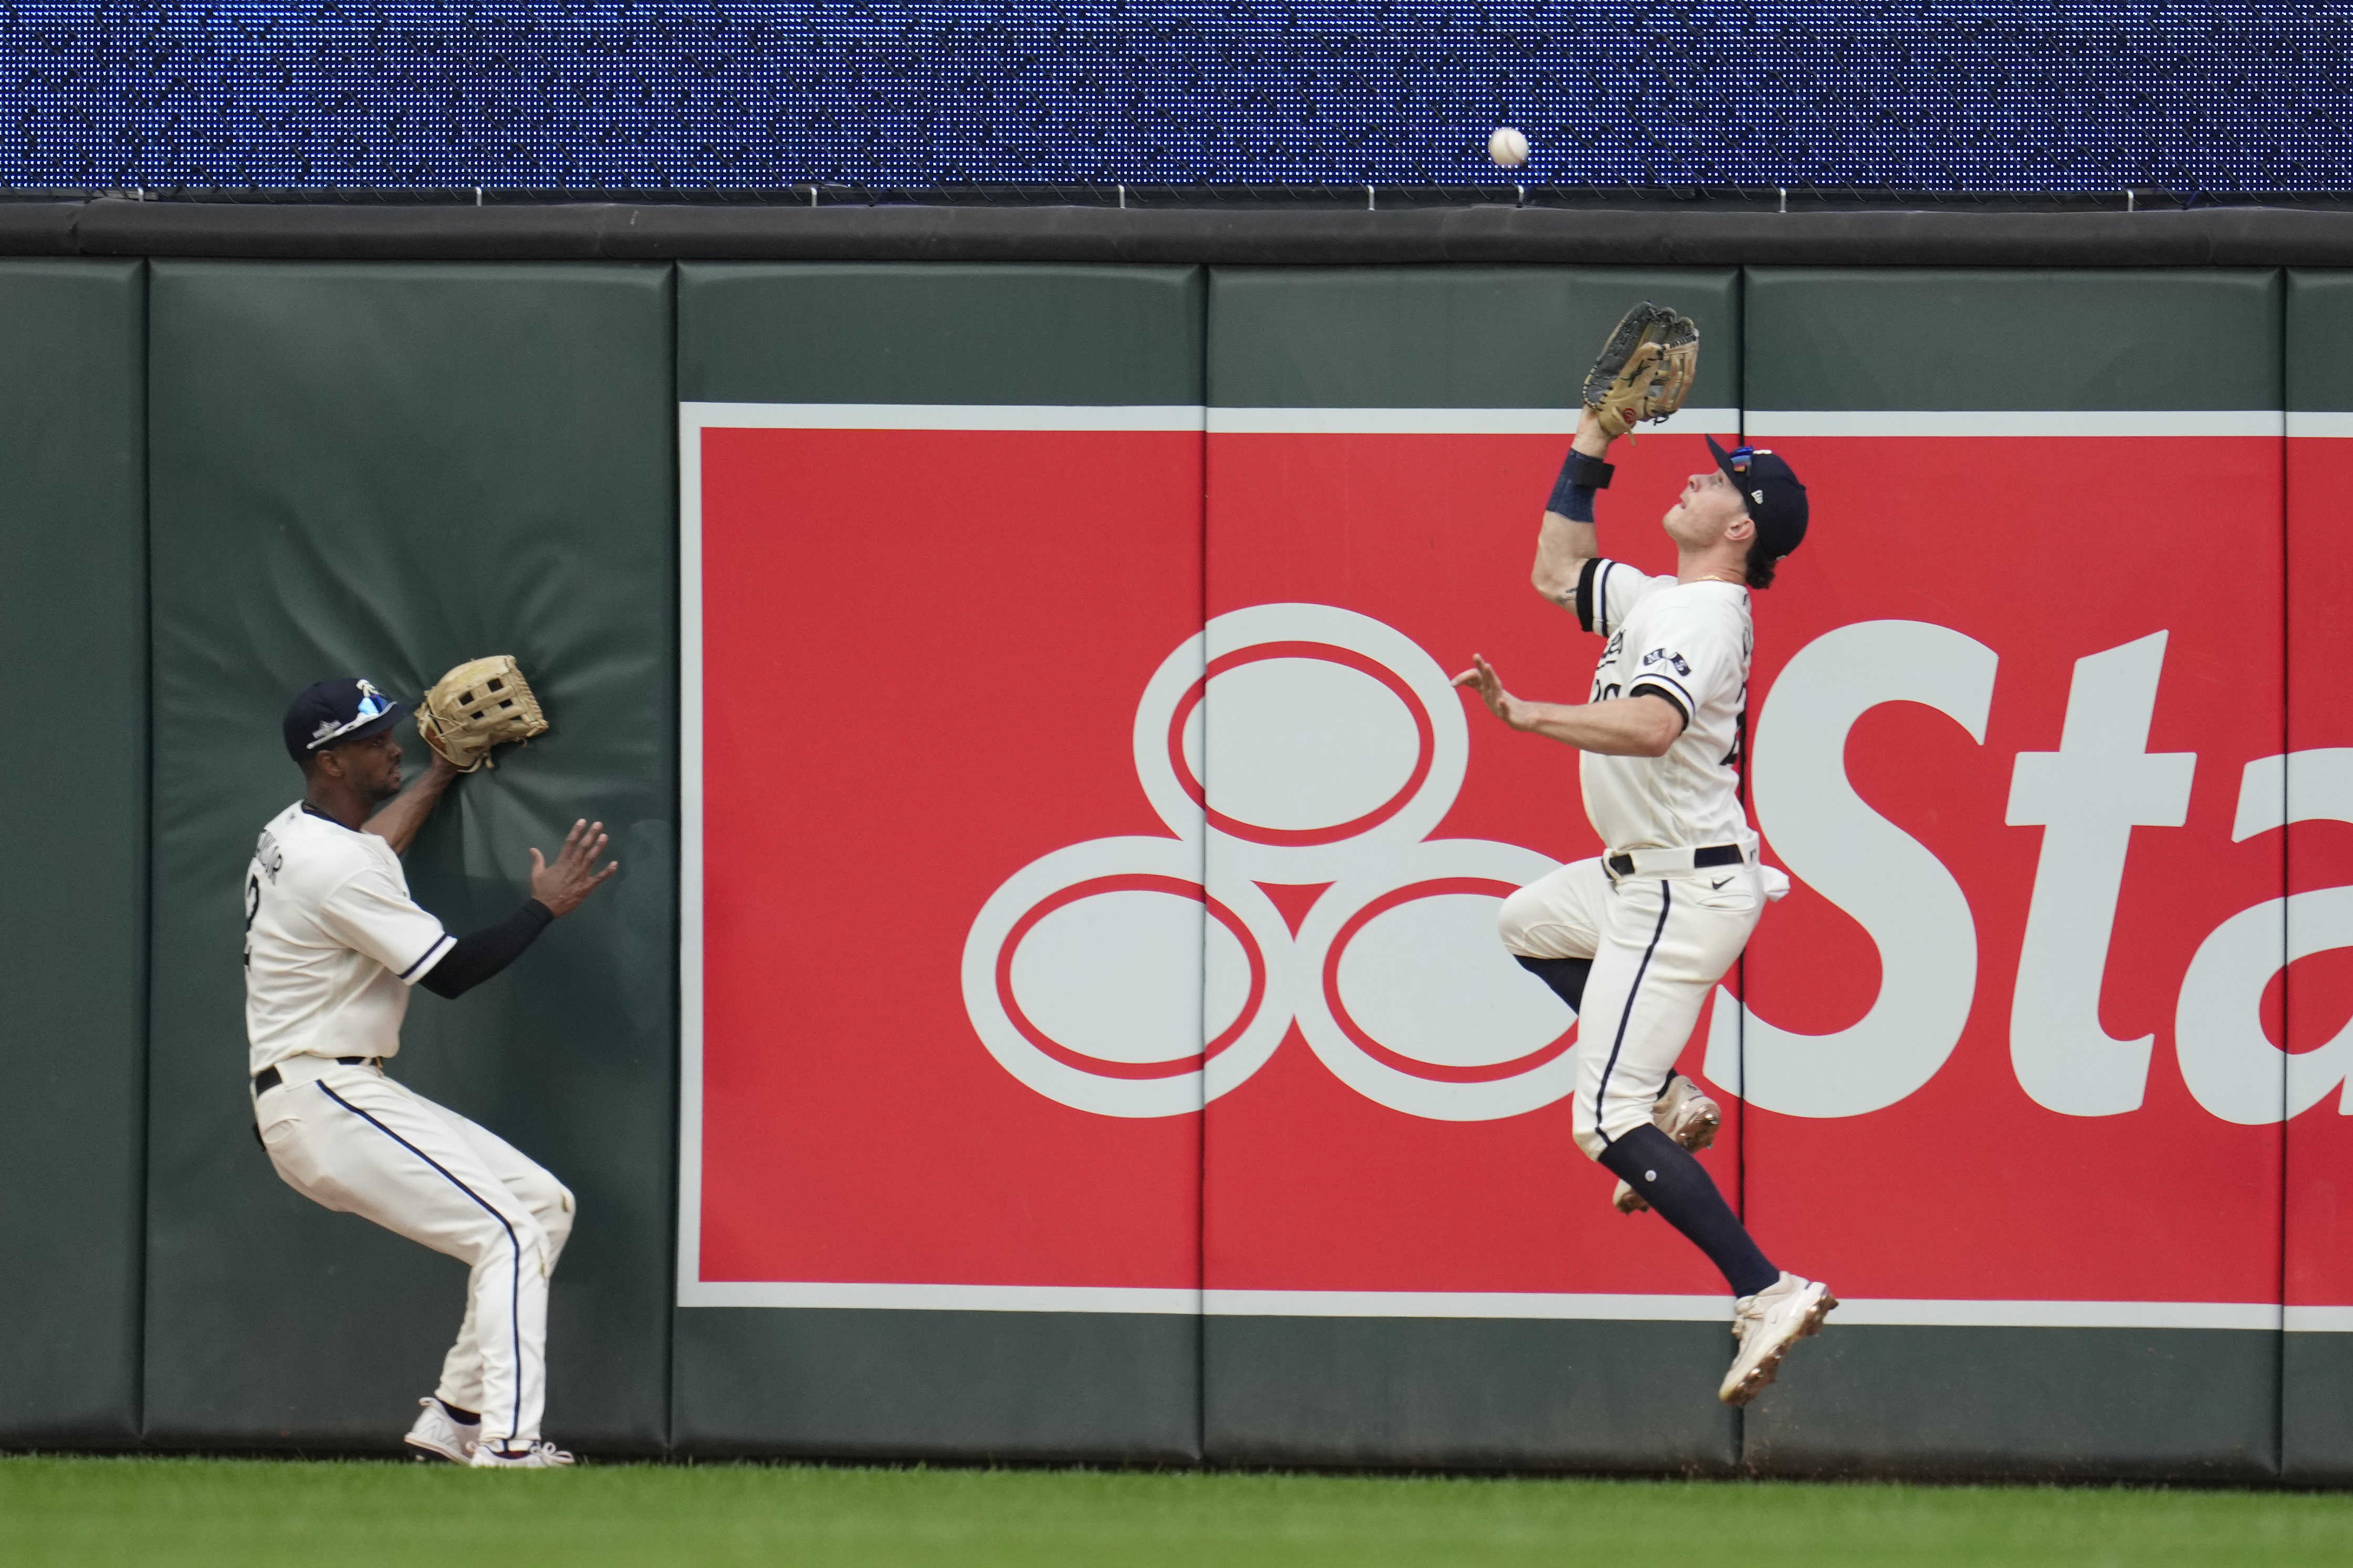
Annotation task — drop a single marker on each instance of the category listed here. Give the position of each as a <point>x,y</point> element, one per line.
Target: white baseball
<point>1507,147</point>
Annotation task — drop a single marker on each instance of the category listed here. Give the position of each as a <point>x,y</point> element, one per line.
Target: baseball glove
<point>482,703</point>
<point>1645,369</point>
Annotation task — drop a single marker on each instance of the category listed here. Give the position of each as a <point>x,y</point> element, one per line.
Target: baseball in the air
<point>1507,147</point>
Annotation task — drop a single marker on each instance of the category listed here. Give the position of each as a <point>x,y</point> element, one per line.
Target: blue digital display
<point>600,94</point>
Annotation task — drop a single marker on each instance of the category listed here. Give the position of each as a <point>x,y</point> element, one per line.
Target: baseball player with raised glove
<point>1636,940</point>
<point>332,942</point>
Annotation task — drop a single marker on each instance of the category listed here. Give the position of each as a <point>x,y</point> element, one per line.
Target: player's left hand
<point>574,876</point>
<point>1482,680</point>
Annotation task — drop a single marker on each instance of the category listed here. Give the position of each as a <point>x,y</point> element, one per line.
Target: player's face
<point>373,766</point>
<point>1707,507</point>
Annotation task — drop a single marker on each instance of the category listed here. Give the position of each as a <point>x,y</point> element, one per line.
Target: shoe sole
<point>433,1450</point>
<point>1761,1376</point>
<point>1697,1134</point>
<point>1700,1132</point>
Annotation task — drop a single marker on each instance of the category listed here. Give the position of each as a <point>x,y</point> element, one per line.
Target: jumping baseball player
<point>332,943</point>
<point>1635,941</point>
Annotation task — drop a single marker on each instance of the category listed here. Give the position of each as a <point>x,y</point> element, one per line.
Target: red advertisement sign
<point>1092,877</point>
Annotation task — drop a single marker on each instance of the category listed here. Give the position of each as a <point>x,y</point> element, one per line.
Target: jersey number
<point>252,908</point>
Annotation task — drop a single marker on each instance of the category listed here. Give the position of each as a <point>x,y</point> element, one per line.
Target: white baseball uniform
<point>333,941</point>
<point>1659,928</point>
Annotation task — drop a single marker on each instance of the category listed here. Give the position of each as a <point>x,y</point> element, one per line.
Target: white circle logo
<point>1284,744</point>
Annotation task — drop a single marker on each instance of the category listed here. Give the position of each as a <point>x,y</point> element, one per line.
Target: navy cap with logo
<point>334,711</point>
<point>1775,500</point>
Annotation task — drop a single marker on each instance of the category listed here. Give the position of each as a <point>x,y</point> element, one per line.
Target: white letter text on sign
<point>2229,1062</point>
<point>1895,890</point>
<point>2089,796</point>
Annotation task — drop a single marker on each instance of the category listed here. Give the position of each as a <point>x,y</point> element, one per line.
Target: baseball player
<point>332,943</point>
<point>1635,941</point>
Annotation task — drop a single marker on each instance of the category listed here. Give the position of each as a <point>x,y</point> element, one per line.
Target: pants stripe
<point>1633,994</point>
<point>515,1297</point>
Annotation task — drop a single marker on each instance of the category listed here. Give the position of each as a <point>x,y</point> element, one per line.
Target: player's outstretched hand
<point>561,887</point>
<point>1483,681</point>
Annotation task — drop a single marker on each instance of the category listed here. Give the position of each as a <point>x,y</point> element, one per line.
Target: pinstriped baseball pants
<point>1659,944</point>
<point>356,1141</point>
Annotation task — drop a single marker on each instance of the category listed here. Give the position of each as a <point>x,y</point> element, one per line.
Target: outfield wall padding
<point>969,1387</point>
<point>1295,1160</point>
<point>73,849</point>
<point>2171,1405</point>
<point>229,476</point>
<point>902,560</point>
<point>381,471</point>
<point>1996,498</point>
<point>1457,1393</point>
<point>2316,1382</point>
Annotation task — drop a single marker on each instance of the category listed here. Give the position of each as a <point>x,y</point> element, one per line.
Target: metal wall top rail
<point>1806,197</point>
<point>1231,225</point>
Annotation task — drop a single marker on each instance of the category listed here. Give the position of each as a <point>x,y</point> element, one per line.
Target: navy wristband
<point>1581,476</point>
<point>1580,469</point>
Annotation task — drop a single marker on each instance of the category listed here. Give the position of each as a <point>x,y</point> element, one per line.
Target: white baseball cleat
<point>529,1456</point>
<point>1767,1325</point>
<point>1686,1115</point>
<point>439,1432</point>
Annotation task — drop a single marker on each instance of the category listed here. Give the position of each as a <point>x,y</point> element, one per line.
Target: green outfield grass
<point>164,1513</point>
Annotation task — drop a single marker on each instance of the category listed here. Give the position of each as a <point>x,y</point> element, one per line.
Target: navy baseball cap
<point>1775,500</point>
<point>334,711</point>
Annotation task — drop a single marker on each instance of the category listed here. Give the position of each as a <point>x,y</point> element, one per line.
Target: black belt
<point>1714,855</point>
<point>269,1079</point>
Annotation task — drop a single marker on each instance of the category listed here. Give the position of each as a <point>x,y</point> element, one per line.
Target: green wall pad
<point>1381,445</point>
<point>73,855</point>
<point>1963,995</point>
<point>2317,1408</point>
<point>863,1177</point>
<point>2316,1396</point>
<point>953,334</point>
<point>2191,1404</point>
<point>1929,339</point>
<point>975,1387</point>
<point>1467,1393</point>
<point>380,470</point>
<point>1448,337</point>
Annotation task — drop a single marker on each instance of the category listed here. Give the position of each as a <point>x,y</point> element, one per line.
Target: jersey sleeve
<point>1608,592</point>
<point>1687,653</point>
<point>371,913</point>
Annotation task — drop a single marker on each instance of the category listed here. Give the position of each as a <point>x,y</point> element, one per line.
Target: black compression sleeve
<point>481,954</point>
<point>1679,1187</point>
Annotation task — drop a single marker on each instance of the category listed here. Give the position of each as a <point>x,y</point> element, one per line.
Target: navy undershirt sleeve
<point>479,955</point>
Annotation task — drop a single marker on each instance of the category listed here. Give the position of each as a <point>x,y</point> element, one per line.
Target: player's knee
<point>1518,922</point>
<point>531,1239</point>
<point>505,1232</point>
<point>557,1214</point>
<point>1592,1144</point>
